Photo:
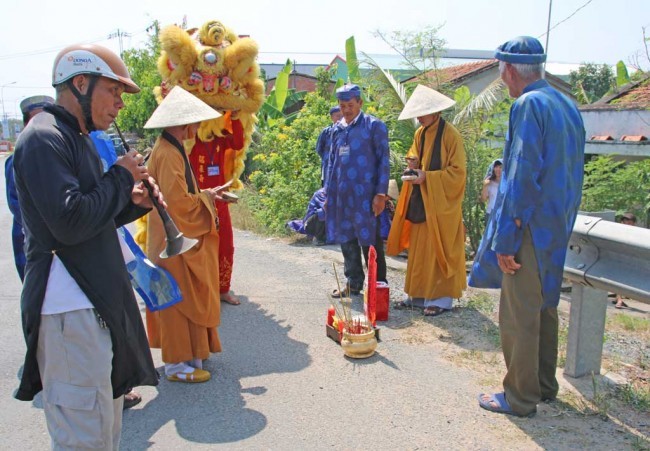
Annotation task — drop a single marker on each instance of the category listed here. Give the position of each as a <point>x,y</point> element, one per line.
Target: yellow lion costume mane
<point>220,68</point>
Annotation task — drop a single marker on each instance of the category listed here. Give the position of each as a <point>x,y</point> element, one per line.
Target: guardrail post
<point>586,331</point>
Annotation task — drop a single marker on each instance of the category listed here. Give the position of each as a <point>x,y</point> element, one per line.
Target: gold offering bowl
<point>359,346</point>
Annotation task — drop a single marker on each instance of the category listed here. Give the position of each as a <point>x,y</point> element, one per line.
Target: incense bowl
<point>359,346</point>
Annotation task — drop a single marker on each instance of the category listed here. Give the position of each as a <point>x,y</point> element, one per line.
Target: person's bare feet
<point>230,298</point>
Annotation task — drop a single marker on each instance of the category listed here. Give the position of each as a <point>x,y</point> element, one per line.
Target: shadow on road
<point>215,412</point>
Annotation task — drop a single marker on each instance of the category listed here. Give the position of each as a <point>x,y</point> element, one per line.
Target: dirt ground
<point>608,411</point>
<point>616,404</point>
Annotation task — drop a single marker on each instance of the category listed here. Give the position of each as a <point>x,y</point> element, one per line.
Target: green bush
<point>285,166</point>
<point>616,185</point>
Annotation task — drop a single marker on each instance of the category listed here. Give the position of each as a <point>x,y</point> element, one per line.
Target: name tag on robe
<point>344,150</point>
<point>213,170</point>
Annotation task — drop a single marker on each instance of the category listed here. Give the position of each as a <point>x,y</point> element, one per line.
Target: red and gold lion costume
<point>220,68</point>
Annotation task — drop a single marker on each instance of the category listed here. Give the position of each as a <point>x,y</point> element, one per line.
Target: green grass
<point>482,303</point>
<point>242,215</point>
<point>630,323</point>
<point>636,395</point>
<point>562,339</point>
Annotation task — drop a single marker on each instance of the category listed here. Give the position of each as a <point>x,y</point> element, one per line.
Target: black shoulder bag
<point>415,212</point>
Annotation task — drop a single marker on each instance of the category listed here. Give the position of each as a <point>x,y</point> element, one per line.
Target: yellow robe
<point>436,260</point>
<point>187,330</point>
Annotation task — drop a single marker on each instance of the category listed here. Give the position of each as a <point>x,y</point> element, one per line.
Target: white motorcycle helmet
<point>93,60</point>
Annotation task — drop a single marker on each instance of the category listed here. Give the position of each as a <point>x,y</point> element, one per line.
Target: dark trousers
<point>353,267</point>
<point>529,335</point>
<point>315,228</point>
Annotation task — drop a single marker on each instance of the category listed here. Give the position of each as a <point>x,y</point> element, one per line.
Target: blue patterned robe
<point>323,146</point>
<point>355,177</point>
<point>17,235</point>
<point>541,185</point>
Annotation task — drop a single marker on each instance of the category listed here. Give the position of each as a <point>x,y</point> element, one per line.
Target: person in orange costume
<point>212,163</point>
<point>185,332</point>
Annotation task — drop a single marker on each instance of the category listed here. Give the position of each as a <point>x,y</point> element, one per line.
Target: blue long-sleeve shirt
<point>359,169</point>
<point>323,146</point>
<point>17,234</point>
<point>541,186</point>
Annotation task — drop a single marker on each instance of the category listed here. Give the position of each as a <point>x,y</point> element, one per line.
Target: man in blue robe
<point>324,143</point>
<point>525,243</point>
<point>358,174</point>
<point>30,107</point>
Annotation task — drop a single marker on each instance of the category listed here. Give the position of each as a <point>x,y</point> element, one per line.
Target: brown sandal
<point>434,311</point>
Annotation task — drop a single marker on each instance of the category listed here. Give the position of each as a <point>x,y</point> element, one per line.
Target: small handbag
<point>415,212</point>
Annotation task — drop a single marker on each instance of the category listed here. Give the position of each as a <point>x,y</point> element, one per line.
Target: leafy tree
<point>323,82</point>
<point>591,81</point>
<point>616,185</point>
<point>142,65</point>
<point>420,50</point>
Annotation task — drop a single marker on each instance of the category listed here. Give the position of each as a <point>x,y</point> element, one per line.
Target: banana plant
<point>281,98</point>
<point>622,76</point>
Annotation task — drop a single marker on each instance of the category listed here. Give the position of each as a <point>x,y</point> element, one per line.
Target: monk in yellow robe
<point>186,332</point>
<point>435,273</point>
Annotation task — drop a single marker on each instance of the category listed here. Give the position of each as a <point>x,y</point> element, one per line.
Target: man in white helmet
<point>86,344</point>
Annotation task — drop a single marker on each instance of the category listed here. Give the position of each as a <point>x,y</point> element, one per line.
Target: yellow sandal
<point>194,377</point>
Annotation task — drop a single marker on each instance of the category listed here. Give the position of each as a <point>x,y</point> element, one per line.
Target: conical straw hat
<point>180,108</point>
<point>425,101</point>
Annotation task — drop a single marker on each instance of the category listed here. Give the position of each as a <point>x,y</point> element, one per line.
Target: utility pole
<point>548,29</point>
<point>4,114</point>
<point>119,34</point>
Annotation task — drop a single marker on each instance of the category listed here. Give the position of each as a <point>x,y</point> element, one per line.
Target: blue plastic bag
<point>155,285</point>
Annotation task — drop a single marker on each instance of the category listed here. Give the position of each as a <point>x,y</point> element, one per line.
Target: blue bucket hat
<point>521,50</point>
<point>34,102</point>
<point>348,92</point>
<point>335,109</point>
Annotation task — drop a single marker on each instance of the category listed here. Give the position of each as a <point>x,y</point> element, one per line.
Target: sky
<point>32,32</point>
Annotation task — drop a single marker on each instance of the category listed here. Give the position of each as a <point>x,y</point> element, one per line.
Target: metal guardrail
<point>603,257</point>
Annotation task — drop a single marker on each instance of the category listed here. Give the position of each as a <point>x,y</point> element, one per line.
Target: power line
<point>58,48</point>
<point>565,19</point>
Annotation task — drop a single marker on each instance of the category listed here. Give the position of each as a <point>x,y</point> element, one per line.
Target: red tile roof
<point>456,74</point>
<point>633,96</point>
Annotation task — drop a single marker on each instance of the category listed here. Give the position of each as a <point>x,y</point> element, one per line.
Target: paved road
<point>280,383</point>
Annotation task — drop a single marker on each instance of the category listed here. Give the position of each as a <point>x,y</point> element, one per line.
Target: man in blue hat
<point>357,184</point>
<point>525,242</point>
<point>324,142</point>
<point>30,107</point>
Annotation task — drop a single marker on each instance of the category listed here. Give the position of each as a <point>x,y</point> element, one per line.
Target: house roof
<point>632,96</point>
<point>458,73</point>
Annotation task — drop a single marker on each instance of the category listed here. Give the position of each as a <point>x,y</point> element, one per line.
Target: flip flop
<point>402,305</point>
<point>434,311</point>
<point>502,405</point>
<point>336,294</point>
<point>623,305</point>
